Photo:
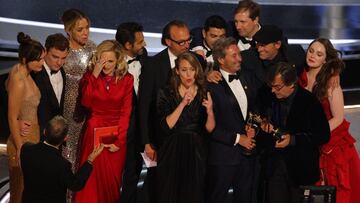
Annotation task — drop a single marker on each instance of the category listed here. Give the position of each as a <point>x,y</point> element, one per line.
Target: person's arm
<point>172,118</point>
<point>336,100</point>
<point>77,181</point>
<point>88,85</point>
<point>16,91</point>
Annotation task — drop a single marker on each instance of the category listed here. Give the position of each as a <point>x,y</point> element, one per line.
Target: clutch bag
<point>105,135</point>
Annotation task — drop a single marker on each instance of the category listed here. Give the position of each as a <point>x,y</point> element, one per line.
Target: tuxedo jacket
<point>307,124</point>
<point>154,75</point>
<point>49,105</point>
<point>47,175</point>
<point>229,119</point>
<point>133,135</point>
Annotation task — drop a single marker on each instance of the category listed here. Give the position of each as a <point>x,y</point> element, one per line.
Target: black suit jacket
<point>307,124</point>
<point>49,105</point>
<point>133,135</point>
<point>155,75</point>
<point>47,175</point>
<point>229,120</point>
<point>291,53</point>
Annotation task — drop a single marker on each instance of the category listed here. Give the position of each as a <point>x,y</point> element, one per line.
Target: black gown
<point>182,155</point>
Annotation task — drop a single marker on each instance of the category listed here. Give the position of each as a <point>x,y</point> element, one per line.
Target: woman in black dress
<point>186,116</point>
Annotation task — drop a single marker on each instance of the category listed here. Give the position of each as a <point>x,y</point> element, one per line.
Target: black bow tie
<point>132,60</point>
<point>233,77</point>
<point>245,41</point>
<point>208,51</point>
<point>52,72</point>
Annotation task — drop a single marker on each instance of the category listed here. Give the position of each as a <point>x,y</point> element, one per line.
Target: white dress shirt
<point>172,58</point>
<point>205,49</point>
<point>239,92</point>
<point>56,81</point>
<point>134,69</point>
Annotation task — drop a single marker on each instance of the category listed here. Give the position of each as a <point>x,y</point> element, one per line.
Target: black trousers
<point>133,166</point>
<point>240,177</point>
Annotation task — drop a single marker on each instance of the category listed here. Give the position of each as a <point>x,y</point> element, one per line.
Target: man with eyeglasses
<point>176,37</point>
<point>292,160</point>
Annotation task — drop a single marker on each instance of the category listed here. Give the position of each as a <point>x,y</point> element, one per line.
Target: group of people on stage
<point>249,113</point>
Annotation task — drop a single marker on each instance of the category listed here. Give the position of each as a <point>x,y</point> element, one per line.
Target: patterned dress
<point>75,66</point>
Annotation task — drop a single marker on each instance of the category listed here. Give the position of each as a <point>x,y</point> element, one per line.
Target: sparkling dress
<point>28,112</point>
<point>75,66</point>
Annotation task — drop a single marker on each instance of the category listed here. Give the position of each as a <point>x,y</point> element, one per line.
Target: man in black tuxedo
<point>292,160</point>
<point>176,37</point>
<point>215,27</point>
<point>47,175</point>
<point>229,162</point>
<point>246,23</point>
<point>51,79</point>
<point>130,36</point>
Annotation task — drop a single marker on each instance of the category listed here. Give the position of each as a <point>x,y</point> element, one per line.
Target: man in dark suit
<point>271,48</point>
<point>229,162</point>
<point>47,175</point>
<point>51,79</point>
<point>292,160</point>
<point>130,36</point>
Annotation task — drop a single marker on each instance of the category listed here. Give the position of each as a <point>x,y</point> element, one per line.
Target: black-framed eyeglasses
<point>277,87</point>
<point>183,42</point>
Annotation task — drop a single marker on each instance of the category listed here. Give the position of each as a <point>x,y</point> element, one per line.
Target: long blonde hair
<point>111,46</point>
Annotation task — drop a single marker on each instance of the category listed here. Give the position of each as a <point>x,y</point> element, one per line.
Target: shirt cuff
<point>237,140</point>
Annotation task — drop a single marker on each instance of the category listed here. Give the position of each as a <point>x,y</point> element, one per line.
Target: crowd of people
<point>215,110</point>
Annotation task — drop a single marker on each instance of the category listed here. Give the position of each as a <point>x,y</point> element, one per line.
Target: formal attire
<point>293,54</point>
<point>154,77</point>
<point>75,66</point>
<point>51,85</point>
<point>28,112</point>
<point>182,156</point>
<point>109,100</point>
<point>133,164</point>
<point>285,169</point>
<point>228,166</point>
<point>339,160</point>
<point>47,175</point>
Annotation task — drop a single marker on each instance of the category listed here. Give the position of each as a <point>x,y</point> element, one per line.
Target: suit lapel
<point>231,97</point>
<point>49,89</point>
<point>63,89</point>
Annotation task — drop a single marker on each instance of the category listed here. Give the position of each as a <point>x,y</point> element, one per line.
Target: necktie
<point>245,41</point>
<point>132,60</point>
<point>233,77</point>
<point>52,72</point>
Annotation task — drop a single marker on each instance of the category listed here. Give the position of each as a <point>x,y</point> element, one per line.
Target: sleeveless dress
<point>110,104</point>
<point>28,112</point>
<point>75,66</point>
<point>182,155</point>
<point>339,159</point>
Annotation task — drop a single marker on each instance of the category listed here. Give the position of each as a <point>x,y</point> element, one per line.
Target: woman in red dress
<point>339,160</point>
<point>107,92</point>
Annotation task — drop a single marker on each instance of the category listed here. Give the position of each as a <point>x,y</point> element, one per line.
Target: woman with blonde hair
<point>106,90</point>
<point>77,28</point>
<point>24,98</point>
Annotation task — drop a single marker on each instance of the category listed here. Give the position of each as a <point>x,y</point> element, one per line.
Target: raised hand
<point>213,76</point>
<point>208,103</point>
<point>99,65</point>
<point>188,97</point>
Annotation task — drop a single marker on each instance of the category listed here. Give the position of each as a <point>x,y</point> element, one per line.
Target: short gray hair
<point>220,46</point>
